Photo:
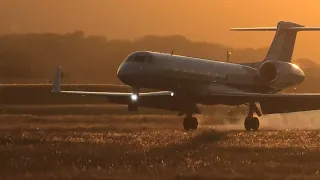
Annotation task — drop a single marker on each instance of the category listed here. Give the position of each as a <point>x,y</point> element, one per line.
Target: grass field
<point>103,141</point>
<point>148,146</point>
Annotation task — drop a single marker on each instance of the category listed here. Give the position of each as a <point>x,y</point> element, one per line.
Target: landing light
<point>134,97</point>
<point>172,94</point>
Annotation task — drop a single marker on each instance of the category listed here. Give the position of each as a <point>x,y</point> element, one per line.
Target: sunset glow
<point>197,20</point>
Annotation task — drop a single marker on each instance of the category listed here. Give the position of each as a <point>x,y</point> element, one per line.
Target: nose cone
<point>131,70</point>
<point>120,72</point>
<point>124,73</point>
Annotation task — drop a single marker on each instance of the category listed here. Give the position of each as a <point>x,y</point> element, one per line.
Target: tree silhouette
<point>95,59</point>
<point>14,64</point>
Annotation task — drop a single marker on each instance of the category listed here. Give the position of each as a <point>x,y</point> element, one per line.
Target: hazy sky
<point>201,20</point>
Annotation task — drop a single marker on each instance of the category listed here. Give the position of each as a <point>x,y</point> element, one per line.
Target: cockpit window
<point>140,58</point>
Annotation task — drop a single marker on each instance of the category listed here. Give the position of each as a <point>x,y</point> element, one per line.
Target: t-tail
<point>283,42</point>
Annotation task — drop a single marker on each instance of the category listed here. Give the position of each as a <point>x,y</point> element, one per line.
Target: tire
<point>190,123</point>
<point>187,124</point>
<point>194,123</point>
<point>247,123</point>
<point>255,124</point>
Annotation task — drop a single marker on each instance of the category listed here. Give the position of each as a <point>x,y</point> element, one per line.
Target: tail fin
<point>57,80</point>
<point>283,42</point>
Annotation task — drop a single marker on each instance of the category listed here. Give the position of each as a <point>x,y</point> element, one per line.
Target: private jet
<point>181,83</point>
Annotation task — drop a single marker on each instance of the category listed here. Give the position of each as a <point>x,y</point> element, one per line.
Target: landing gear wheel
<point>194,123</point>
<point>190,123</point>
<point>247,123</point>
<point>251,123</point>
<point>255,124</point>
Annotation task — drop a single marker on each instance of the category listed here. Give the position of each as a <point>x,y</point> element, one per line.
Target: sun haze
<point>202,20</point>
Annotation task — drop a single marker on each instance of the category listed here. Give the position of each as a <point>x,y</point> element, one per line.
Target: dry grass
<point>149,147</point>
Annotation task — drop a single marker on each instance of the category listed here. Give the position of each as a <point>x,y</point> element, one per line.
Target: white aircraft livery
<point>182,83</point>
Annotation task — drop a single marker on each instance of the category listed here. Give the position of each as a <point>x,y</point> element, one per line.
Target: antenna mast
<point>228,55</point>
<point>172,52</point>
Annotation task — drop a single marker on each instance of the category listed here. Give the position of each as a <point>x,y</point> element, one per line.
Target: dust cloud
<point>234,122</point>
<point>308,120</point>
<point>291,121</point>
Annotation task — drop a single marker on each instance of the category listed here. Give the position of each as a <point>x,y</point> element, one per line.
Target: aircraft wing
<point>160,99</point>
<point>272,103</point>
<point>121,98</point>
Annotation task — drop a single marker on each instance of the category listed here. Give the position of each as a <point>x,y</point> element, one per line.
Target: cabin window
<point>221,76</point>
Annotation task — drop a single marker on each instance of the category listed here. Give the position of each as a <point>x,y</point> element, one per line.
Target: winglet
<point>57,80</point>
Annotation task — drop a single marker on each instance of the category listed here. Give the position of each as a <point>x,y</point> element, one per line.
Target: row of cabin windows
<point>140,59</point>
<point>216,75</point>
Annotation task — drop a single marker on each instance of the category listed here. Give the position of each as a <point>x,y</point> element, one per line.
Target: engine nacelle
<point>279,74</point>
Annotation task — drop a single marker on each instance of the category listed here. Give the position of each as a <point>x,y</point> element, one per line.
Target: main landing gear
<point>252,123</point>
<point>190,123</point>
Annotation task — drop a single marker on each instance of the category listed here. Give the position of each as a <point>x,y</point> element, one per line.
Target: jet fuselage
<point>183,74</point>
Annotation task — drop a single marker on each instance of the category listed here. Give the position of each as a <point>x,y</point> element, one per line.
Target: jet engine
<point>279,74</point>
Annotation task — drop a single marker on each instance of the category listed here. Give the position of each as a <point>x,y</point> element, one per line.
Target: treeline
<point>32,58</point>
<point>93,59</point>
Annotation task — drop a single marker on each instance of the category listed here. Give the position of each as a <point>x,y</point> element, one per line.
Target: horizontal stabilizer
<point>255,29</point>
<point>305,28</point>
<point>275,29</point>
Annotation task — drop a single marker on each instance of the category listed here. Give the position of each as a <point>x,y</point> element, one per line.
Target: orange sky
<point>204,20</point>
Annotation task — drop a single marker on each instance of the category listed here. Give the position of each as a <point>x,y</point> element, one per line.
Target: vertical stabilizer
<point>283,42</point>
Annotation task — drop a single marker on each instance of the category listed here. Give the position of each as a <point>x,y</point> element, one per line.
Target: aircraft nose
<point>120,72</point>
<point>123,73</point>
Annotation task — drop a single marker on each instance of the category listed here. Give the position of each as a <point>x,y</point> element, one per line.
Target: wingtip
<point>57,81</point>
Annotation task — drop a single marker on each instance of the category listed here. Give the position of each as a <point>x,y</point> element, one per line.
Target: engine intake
<point>280,74</point>
<point>268,73</point>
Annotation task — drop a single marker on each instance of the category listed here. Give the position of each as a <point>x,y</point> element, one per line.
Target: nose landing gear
<point>133,105</point>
